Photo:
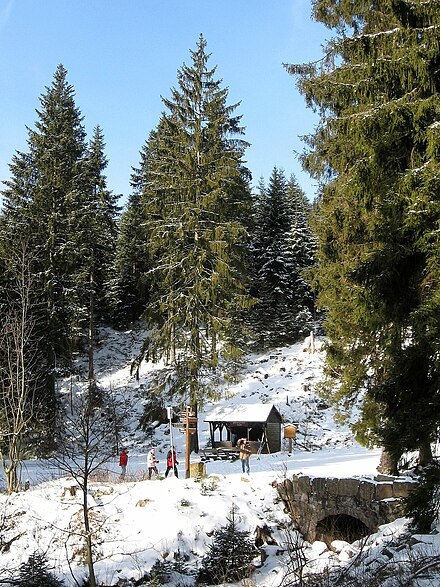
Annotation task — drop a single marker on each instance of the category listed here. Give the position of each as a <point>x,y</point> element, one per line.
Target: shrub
<point>229,555</point>
<point>35,573</point>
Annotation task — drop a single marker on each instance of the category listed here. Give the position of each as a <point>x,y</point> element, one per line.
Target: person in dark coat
<point>123,460</point>
<point>172,462</point>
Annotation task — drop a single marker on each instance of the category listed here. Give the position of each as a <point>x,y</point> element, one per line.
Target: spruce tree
<point>41,196</point>
<point>56,197</point>
<point>302,246</point>
<point>132,280</point>
<point>103,229</point>
<point>376,154</point>
<point>229,555</point>
<point>195,203</point>
<point>282,249</point>
<point>35,572</point>
<point>94,223</point>
<point>272,262</point>
<point>57,147</point>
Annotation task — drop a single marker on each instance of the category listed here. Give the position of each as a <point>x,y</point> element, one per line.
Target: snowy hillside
<point>139,522</point>
<point>286,377</point>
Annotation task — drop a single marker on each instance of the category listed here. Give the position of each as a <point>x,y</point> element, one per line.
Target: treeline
<point>211,268</point>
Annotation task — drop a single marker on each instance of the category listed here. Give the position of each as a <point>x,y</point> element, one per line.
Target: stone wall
<point>373,501</point>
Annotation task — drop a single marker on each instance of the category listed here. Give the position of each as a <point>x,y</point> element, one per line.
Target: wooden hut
<point>259,423</point>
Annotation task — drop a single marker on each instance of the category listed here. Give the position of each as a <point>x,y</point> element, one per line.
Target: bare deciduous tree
<point>20,365</point>
<point>86,444</point>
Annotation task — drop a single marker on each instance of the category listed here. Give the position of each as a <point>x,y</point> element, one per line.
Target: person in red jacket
<point>171,462</point>
<point>123,460</point>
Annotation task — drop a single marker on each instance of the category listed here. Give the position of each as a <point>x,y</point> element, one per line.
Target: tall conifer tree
<point>45,199</point>
<point>196,201</point>
<point>302,246</point>
<point>56,149</point>
<point>272,262</point>
<point>132,280</point>
<point>94,220</point>
<point>376,152</point>
<point>101,212</point>
<point>282,249</point>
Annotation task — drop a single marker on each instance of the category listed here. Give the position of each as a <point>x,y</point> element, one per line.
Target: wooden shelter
<point>259,423</point>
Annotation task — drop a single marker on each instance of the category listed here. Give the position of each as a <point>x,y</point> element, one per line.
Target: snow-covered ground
<point>138,522</point>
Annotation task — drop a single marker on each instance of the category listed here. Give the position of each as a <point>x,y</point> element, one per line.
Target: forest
<point>214,267</point>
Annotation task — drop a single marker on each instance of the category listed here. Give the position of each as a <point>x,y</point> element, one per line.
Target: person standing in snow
<point>245,453</point>
<point>123,460</point>
<point>151,463</point>
<point>171,462</point>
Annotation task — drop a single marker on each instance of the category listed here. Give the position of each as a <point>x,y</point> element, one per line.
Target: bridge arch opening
<point>340,527</point>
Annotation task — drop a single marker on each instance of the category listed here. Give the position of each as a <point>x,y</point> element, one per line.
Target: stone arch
<point>372,502</point>
<point>340,527</point>
<point>350,507</point>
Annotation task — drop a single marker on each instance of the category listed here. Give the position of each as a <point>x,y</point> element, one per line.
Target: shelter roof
<point>241,413</point>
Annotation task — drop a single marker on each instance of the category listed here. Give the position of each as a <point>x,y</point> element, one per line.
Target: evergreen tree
<point>94,219</point>
<point>302,246</point>
<point>229,555</point>
<point>272,262</point>
<point>127,299</point>
<point>376,153</point>
<point>57,150</point>
<point>280,250</point>
<point>39,201</point>
<point>132,254</point>
<point>103,232</point>
<point>195,202</point>
<point>17,196</point>
<point>35,573</point>
<point>57,195</point>
<point>41,196</point>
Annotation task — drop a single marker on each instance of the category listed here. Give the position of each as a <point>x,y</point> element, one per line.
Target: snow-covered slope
<point>138,522</point>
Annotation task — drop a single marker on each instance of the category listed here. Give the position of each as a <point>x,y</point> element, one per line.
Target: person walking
<point>123,460</point>
<point>245,453</point>
<point>151,463</point>
<point>171,462</point>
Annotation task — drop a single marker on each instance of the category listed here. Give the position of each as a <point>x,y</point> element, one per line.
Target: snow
<point>138,522</point>
<point>240,413</point>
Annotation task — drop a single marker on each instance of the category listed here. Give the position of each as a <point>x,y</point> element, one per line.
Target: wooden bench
<point>219,454</point>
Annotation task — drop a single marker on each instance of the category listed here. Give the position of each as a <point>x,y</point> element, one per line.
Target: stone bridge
<point>343,508</point>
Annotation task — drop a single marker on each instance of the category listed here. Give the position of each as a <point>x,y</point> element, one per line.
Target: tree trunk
<point>388,464</point>
<point>194,439</point>
<point>425,453</point>
<point>89,555</point>
<point>87,529</point>
<point>91,330</point>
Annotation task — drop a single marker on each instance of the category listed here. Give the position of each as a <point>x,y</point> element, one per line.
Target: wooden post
<point>290,434</point>
<point>187,444</point>
<point>312,342</point>
<point>170,415</point>
<point>190,428</point>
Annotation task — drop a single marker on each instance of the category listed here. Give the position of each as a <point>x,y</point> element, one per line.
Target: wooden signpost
<point>187,425</point>
<point>190,428</point>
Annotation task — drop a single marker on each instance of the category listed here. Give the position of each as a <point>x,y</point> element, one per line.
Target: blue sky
<point>123,55</point>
